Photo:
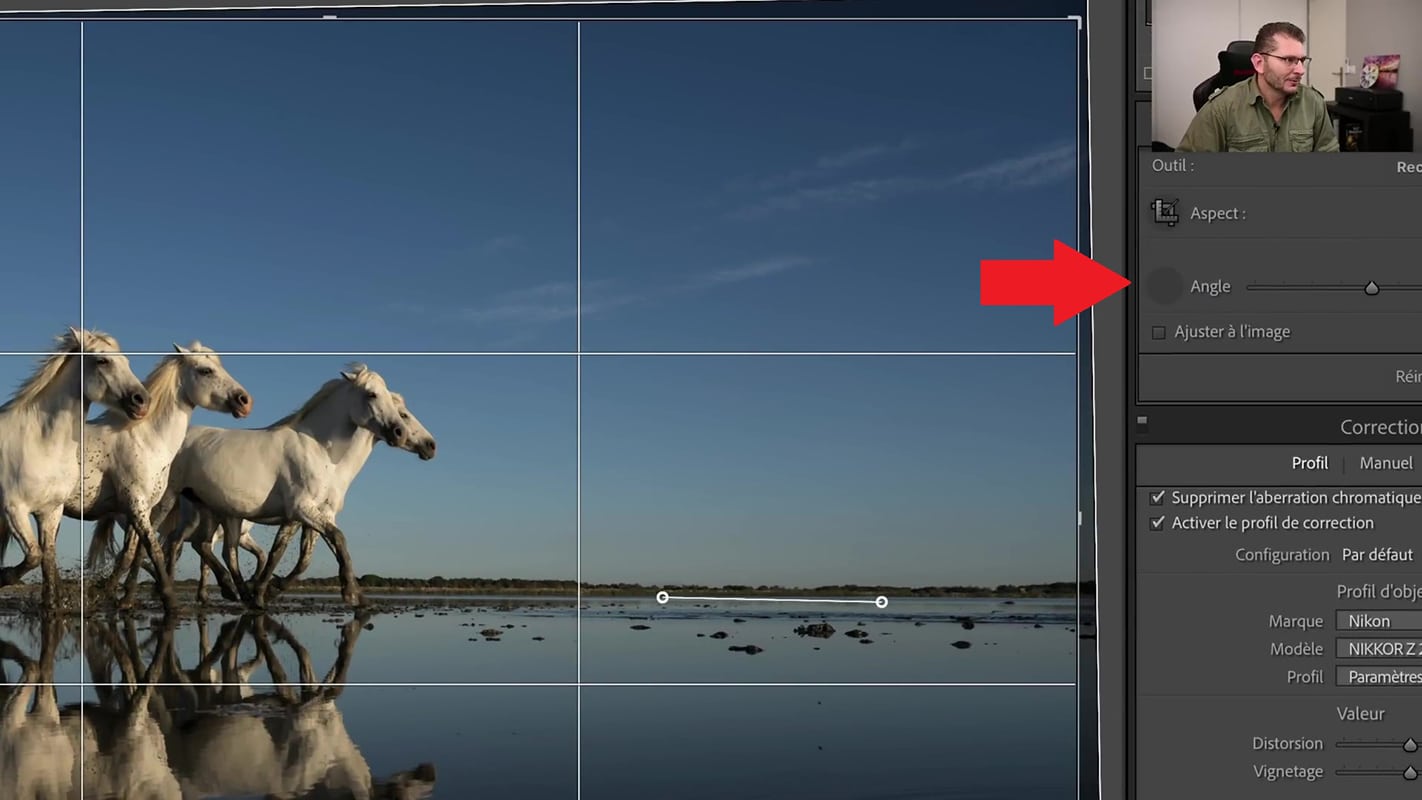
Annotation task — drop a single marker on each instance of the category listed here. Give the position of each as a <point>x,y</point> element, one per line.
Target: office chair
<point>1235,66</point>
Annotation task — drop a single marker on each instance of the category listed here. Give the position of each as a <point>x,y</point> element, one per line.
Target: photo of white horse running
<point>418,440</point>
<point>293,472</point>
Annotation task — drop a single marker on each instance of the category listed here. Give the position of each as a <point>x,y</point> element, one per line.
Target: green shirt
<point>1237,120</point>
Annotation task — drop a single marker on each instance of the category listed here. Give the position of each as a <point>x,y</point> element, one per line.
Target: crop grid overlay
<point>646,356</point>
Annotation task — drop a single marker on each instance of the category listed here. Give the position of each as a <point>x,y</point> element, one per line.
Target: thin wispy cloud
<point>1025,171</point>
<point>1033,169</point>
<point>747,272</point>
<point>533,305</point>
<point>520,313</point>
<point>548,303</point>
<point>556,290</point>
<point>873,152</point>
<point>824,167</point>
<point>845,194</point>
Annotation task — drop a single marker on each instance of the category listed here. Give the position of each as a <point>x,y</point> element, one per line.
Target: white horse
<point>40,430</point>
<point>125,465</point>
<point>418,440</point>
<point>294,472</point>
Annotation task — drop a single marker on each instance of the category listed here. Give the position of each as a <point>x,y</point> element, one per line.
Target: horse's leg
<point>210,529</point>
<point>136,564</point>
<point>336,540</point>
<point>231,534</point>
<point>201,527</point>
<point>127,565</point>
<point>279,545</point>
<point>167,519</point>
<point>202,543</point>
<point>250,545</point>
<point>308,544</point>
<point>135,571</point>
<point>350,587</point>
<point>20,527</point>
<point>141,526</point>
<point>49,545</point>
<point>203,570</point>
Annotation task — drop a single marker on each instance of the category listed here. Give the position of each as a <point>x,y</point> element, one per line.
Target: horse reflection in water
<point>37,755</point>
<point>161,731</point>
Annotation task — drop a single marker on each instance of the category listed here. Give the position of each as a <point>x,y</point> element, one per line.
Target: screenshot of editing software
<point>1273,617</point>
<point>812,400</point>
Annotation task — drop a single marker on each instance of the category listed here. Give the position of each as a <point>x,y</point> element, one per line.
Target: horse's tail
<point>101,547</point>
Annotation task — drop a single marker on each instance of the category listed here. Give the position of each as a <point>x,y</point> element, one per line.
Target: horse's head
<point>206,384</point>
<point>374,408</point>
<point>108,378</point>
<point>418,439</point>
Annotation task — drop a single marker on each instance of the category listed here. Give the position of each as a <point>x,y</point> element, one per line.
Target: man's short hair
<point>1264,40</point>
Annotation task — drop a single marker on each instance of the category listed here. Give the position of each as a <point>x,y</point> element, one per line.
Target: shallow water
<point>910,641</point>
<point>186,705</point>
<point>410,641</point>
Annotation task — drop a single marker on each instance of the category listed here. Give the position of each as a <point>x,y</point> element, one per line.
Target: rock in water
<point>822,630</point>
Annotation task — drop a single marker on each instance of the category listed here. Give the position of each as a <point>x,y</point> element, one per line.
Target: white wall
<point>1384,27</point>
<point>1186,35</point>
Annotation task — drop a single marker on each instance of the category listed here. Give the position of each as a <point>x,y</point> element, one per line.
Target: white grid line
<point>579,607</point>
<point>579,352</point>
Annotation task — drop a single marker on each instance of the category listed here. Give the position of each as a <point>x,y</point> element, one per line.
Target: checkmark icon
<point>1157,523</point>
<point>1157,498</point>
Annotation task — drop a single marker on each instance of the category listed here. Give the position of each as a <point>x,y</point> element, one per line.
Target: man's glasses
<point>1292,61</point>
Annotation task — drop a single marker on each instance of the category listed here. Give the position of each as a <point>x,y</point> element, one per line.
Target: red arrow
<point>1070,283</point>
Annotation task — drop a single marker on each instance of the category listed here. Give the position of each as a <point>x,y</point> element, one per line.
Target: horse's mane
<point>327,389</point>
<point>162,385</point>
<point>67,344</point>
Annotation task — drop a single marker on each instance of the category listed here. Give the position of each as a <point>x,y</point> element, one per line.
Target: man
<point>1271,112</point>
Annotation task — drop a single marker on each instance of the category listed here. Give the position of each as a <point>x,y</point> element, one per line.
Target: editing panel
<point>1254,288</point>
<point>1275,439</point>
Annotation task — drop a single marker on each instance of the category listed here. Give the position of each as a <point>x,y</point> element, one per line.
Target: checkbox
<point>1157,523</point>
<point>1157,498</point>
<point>1157,332</point>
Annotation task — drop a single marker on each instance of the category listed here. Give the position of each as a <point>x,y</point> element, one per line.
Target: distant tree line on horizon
<point>529,586</point>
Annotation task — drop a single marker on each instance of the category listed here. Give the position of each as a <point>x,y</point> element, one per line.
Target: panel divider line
<point>578,609</point>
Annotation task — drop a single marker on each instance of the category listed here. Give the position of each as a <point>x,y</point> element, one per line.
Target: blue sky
<point>784,186</point>
<point>413,187</point>
<point>793,470</point>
